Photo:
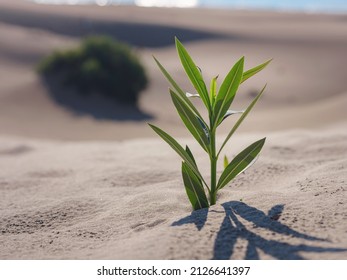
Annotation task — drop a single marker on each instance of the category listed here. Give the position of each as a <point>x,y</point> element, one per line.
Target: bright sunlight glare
<point>167,3</point>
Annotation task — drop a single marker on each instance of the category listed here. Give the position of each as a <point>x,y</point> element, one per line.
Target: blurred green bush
<point>100,65</point>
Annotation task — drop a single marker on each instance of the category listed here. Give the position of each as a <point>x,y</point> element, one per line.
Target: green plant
<point>101,65</point>
<point>217,104</point>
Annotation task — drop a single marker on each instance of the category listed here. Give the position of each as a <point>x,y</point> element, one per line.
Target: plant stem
<point>213,159</point>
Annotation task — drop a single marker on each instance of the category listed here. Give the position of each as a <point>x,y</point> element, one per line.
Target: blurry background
<point>307,80</point>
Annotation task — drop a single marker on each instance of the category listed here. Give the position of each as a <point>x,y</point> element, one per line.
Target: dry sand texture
<point>66,198</point>
<point>126,200</point>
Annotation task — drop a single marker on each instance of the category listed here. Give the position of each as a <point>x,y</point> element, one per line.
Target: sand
<point>94,182</point>
<point>126,201</point>
<point>307,74</point>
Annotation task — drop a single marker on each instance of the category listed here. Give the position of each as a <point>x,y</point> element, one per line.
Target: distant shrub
<point>99,65</point>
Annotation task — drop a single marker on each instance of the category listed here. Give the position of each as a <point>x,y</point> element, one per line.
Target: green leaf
<point>181,93</point>
<point>243,116</point>
<point>251,72</point>
<point>191,121</point>
<point>193,159</point>
<point>205,129</point>
<point>226,162</point>
<point>189,152</point>
<point>227,91</point>
<point>213,89</point>
<point>193,73</point>
<point>194,188</point>
<point>250,165</point>
<point>230,113</point>
<point>240,162</point>
<point>179,150</point>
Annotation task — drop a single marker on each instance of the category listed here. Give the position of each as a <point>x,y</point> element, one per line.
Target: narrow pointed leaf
<point>243,116</point>
<point>251,72</point>
<point>213,89</point>
<point>226,162</point>
<point>191,121</point>
<point>193,73</point>
<point>193,159</point>
<point>250,165</point>
<point>205,129</point>
<point>228,90</point>
<point>181,93</point>
<point>178,149</point>
<point>189,152</point>
<point>194,188</point>
<point>232,112</point>
<point>240,162</point>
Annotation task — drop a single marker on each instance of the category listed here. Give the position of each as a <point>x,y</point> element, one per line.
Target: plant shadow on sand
<point>232,229</point>
<point>96,106</point>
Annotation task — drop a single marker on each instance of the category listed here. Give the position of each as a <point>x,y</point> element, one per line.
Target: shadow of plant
<point>232,229</point>
<point>198,218</point>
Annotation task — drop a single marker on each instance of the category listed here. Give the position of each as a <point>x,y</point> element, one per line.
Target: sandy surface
<point>126,200</point>
<point>94,182</point>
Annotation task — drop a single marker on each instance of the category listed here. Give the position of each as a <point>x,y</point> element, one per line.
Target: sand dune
<point>308,70</point>
<point>119,195</point>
